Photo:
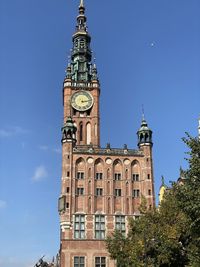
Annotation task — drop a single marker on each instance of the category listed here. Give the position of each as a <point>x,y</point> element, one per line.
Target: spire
<point>199,129</point>
<point>162,181</point>
<point>81,54</point>
<point>81,4</point>
<point>144,133</point>
<point>81,19</point>
<point>143,117</point>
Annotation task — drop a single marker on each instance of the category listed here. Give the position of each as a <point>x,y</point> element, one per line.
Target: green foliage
<point>119,247</point>
<point>168,236</point>
<point>188,198</point>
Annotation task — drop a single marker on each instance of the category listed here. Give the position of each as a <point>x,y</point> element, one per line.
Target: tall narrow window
<point>136,193</point>
<point>99,226</point>
<point>99,176</point>
<point>89,204</point>
<point>108,188</point>
<point>120,223</point>
<point>67,190</point>
<point>81,132</point>
<point>80,191</point>
<point>80,175</point>
<point>100,261</point>
<point>79,227</point>
<point>99,191</point>
<point>117,176</point>
<point>136,177</point>
<point>79,261</point>
<point>88,128</point>
<point>118,192</point>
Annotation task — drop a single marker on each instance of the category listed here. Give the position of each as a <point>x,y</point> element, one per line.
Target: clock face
<point>82,101</point>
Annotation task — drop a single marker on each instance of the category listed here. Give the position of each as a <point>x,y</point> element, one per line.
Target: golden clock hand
<point>86,101</point>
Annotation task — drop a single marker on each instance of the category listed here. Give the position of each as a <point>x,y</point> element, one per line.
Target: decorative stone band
<point>105,151</point>
<point>81,85</point>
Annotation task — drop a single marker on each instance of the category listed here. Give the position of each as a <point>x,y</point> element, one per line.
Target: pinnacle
<point>81,3</point>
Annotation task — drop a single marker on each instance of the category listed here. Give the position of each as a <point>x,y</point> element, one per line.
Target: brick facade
<point>101,188</point>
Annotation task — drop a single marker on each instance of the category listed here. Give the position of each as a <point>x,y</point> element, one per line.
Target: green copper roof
<point>144,133</point>
<point>80,67</point>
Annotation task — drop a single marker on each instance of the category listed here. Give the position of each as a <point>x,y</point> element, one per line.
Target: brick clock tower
<point>101,188</point>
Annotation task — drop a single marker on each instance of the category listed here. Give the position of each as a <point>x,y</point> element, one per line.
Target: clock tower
<point>81,87</point>
<point>101,187</point>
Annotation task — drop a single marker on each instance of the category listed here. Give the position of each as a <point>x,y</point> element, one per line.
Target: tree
<point>168,236</point>
<point>188,198</point>
<point>157,238</point>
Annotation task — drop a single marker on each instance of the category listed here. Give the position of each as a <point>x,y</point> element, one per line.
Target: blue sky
<point>147,53</point>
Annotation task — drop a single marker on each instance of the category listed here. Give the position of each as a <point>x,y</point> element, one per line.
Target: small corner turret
<point>69,131</point>
<point>144,134</point>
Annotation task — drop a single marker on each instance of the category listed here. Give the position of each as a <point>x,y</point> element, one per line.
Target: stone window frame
<point>79,261</point>
<point>100,226</point>
<point>136,177</point>
<point>118,192</point>
<point>79,226</point>
<point>120,223</point>
<point>80,175</point>
<point>99,191</point>
<point>136,193</point>
<point>100,261</point>
<point>99,176</point>
<point>80,191</point>
<point>117,176</point>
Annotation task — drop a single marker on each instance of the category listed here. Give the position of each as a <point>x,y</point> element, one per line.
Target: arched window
<point>88,128</point>
<point>141,138</point>
<point>117,165</point>
<point>135,171</point>
<point>81,132</point>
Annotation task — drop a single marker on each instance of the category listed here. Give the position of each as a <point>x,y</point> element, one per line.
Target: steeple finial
<point>81,3</point>
<point>162,181</point>
<point>143,116</point>
<point>199,129</point>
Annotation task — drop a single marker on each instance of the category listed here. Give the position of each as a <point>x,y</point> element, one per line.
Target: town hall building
<point>101,188</point>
